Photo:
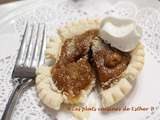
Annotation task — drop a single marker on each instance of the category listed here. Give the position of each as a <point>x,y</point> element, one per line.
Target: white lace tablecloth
<point>57,14</point>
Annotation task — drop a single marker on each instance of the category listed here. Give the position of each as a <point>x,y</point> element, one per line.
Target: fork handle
<point>14,97</point>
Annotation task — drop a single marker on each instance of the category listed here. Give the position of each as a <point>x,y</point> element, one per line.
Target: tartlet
<point>116,75</point>
<point>80,58</point>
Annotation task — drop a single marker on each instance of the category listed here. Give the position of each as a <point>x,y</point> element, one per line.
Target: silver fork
<point>30,56</point>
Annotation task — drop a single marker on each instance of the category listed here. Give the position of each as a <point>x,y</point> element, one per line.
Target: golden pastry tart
<point>80,58</point>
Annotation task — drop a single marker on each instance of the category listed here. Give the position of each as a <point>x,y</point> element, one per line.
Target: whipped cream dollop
<point>122,33</point>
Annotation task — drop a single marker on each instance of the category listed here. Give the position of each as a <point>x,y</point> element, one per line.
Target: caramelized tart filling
<point>73,71</point>
<point>73,77</point>
<point>110,63</point>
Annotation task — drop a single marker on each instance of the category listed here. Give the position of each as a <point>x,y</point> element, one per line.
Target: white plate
<point>56,14</point>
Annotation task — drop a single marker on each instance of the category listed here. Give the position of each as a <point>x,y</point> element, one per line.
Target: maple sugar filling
<point>110,63</point>
<point>73,72</point>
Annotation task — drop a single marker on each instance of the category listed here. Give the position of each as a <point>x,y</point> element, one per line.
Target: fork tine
<point>38,56</point>
<point>31,52</point>
<point>22,45</point>
<point>35,51</point>
<point>27,60</point>
<point>43,46</point>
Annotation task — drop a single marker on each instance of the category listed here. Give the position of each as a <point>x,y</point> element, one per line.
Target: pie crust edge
<point>46,89</point>
<point>124,85</point>
<point>52,97</point>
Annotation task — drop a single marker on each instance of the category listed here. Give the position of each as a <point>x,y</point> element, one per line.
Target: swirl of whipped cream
<point>122,33</point>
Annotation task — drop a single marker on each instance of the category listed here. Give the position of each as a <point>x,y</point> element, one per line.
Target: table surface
<point>7,8</point>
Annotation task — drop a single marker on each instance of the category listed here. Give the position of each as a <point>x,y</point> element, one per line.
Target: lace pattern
<point>56,15</point>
